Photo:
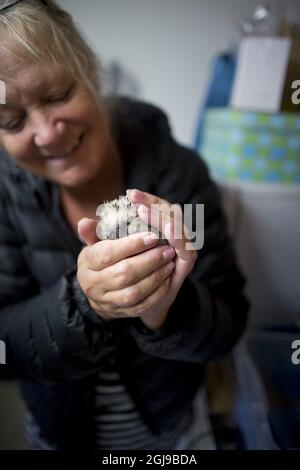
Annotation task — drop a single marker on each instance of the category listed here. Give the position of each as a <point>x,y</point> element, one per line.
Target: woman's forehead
<point>35,78</point>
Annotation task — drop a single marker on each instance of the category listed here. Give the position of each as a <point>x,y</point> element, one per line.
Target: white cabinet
<point>265,223</point>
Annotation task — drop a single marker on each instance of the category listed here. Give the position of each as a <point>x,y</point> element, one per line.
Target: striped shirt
<point>117,422</point>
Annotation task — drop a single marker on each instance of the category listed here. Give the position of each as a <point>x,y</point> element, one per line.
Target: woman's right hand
<point>125,277</point>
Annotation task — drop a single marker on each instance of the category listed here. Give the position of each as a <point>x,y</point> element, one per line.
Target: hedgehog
<point>119,218</point>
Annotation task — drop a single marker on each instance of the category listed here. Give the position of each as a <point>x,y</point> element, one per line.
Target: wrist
<point>154,321</point>
<point>100,313</point>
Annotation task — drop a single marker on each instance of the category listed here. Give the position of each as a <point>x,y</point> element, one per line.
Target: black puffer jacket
<point>56,343</point>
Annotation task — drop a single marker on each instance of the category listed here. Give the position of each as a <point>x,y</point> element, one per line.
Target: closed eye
<point>61,97</point>
<point>13,125</point>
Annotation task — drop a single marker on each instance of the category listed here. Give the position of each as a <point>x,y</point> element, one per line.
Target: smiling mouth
<point>69,152</point>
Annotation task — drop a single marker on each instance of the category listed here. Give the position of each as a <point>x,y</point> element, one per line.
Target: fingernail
<point>137,193</point>
<point>168,253</point>
<point>150,239</point>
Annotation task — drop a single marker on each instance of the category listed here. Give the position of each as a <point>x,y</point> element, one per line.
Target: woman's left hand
<point>169,220</point>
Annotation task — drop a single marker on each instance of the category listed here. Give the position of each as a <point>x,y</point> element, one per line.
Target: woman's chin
<point>74,177</point>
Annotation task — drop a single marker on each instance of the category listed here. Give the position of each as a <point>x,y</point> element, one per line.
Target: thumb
<point>87,230</point>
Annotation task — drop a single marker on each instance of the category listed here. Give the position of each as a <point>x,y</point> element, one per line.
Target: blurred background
<point>226,74</point>
<point>167,46</point>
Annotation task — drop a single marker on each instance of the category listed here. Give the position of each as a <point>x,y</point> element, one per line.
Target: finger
<point>142,197</point>
<point>87,231</point>
<point>171,228</point>
<point>158,206</point>
<point>168,224</point>
<point>108,252</point>
<point>152,302</point>
<point>129,271</point>
<point>137,292</point>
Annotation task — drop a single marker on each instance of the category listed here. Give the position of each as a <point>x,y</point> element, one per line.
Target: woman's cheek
<point>19,151</point>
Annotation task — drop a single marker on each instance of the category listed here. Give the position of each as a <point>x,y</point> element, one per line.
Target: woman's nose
<point>48,133</point>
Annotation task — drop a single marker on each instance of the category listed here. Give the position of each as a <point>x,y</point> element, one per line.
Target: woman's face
<point>52,126</point>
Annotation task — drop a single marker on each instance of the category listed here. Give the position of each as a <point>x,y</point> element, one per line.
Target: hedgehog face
<point>119,218</point>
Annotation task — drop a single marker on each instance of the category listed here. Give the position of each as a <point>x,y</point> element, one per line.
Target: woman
<point>109,338</point>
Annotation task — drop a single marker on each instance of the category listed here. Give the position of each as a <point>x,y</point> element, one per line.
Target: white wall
<point>166,44</point>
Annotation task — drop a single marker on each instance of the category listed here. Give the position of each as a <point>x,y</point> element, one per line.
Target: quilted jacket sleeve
<point>209,314</point>
<point>48,335</point>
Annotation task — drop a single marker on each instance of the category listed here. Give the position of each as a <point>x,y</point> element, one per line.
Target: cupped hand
<point>128,277</point>
<point>169,219</point>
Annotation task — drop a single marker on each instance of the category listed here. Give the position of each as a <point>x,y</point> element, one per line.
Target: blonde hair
<point>40,31</point>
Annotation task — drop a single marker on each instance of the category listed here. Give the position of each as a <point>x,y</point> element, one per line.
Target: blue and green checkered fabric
<point>251,146</point>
